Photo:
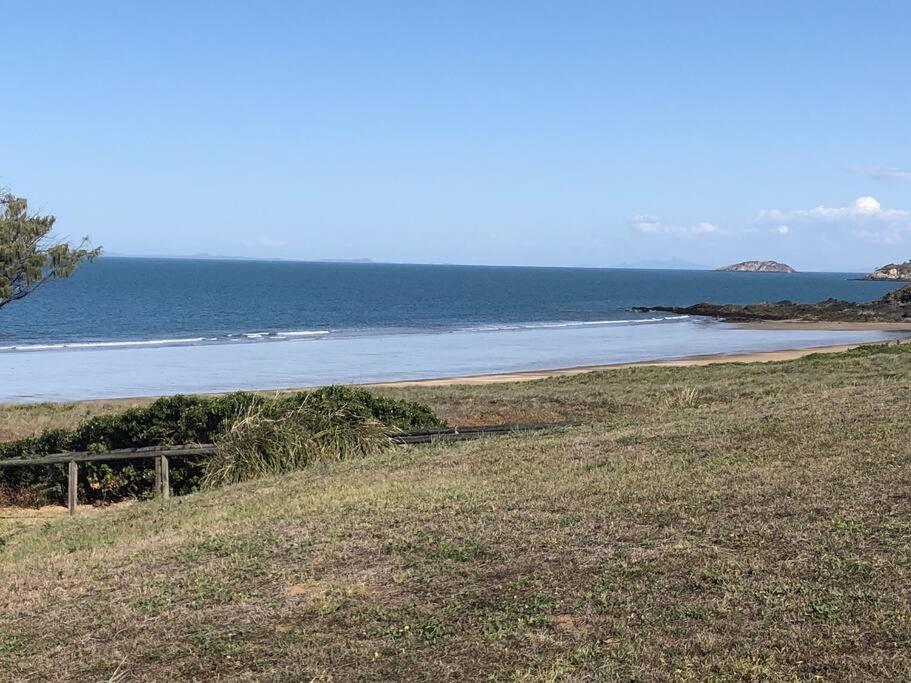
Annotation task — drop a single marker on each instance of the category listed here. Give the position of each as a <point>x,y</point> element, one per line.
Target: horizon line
<point>368,262</point>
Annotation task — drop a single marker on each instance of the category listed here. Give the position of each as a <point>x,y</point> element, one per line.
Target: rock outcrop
<point>893,307</point>
<point>892,271</point>
<point>759,267</point>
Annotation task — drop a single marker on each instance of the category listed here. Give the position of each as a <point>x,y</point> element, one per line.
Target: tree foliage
<point>29,254</point>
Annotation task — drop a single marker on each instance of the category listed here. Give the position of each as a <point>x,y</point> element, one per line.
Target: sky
<point>510,132</point>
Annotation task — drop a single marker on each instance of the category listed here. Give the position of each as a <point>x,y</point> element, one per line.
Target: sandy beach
<point>761,357</point>
<point>786,325</point>
<point>710,359</point>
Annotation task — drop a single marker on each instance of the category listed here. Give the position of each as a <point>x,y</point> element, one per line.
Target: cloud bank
<point>864,218</point>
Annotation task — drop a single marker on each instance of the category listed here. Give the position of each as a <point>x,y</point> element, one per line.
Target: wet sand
<point>530,375</point>
<point>107,376</point>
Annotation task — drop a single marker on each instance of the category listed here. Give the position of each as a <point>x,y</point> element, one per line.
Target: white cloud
<point>646,224</point>
<point>867,205</point>
<point>652,225</point>
<point>862,206</point>
<point>865,218</point>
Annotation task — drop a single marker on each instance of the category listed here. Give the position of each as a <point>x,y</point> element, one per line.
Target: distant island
<point>892,271</point>
<point>894,307</point>
<point>759,267</point>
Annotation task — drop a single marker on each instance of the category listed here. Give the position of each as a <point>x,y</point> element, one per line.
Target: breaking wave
<point>180,341</point>
<point>581,323</point>
<point>251,337</point>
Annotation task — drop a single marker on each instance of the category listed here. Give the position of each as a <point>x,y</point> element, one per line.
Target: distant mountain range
<point>203,256</point>
<point>663,264</point>
<point>648,264</point>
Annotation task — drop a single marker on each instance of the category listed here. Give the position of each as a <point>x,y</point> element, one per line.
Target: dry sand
<point>826,326</point>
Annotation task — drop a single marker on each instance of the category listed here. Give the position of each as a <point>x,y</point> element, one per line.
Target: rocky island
<point>894,307</point>
<point>892,271</point>
<point>758,267</point>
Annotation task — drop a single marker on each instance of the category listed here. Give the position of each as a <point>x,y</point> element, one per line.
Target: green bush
<point>179,420</point>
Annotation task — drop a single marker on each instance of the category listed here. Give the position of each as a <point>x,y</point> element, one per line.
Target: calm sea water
<point>149,326</point>
<point>150,300</point>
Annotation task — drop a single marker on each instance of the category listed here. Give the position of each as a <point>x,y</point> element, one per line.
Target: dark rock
<point>893,307</point>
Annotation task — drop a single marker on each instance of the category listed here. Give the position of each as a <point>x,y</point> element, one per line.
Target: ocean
<point>144,326</point>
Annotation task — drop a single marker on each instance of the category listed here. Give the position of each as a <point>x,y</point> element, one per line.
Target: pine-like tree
<point>29,254</point>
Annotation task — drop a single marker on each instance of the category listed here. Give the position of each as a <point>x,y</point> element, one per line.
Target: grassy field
<point>729,522</point>
<point>25,420</point>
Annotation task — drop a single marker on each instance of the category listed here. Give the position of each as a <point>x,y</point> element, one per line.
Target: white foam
<point>291,334</point>
<point>130,343</point>
<point>574,323</point>
<point>105,345</point>
<point>294,333</point>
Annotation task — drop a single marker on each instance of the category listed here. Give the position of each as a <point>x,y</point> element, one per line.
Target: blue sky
<point>570,133</point>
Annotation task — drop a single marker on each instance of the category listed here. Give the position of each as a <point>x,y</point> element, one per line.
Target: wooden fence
<point>163,454</point>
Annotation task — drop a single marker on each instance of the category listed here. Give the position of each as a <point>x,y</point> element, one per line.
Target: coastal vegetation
<point>893,307</point>
<point>274,437</point>
<point>29,254</point>
<point>726,522</point>
<point>254,434</point>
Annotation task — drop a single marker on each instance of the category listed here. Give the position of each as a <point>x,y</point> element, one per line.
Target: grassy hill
<point>745,522</point>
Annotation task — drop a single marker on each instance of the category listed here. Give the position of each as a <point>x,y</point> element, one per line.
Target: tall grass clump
<point>263,441</point>
<point>683,397</point>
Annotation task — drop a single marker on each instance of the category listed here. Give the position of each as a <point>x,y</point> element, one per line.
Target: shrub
<point>394,414</point>
<point>178,420</point>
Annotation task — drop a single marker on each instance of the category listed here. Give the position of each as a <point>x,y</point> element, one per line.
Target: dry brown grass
<point>719,523</point>
<point>17,421</point>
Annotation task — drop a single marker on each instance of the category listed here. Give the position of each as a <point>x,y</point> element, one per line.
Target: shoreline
<point>903,329</point>
<point>686,361</point>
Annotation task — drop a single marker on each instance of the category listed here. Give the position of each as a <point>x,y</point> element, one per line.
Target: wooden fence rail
<point>162,454</point>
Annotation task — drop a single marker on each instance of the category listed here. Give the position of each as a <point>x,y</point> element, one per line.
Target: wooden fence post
<point>165,477</point>
<point>72,485</point>
<point>158,476</point>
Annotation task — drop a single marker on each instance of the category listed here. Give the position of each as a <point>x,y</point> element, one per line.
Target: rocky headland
<point>892,271</point>
<point>894,307</point>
